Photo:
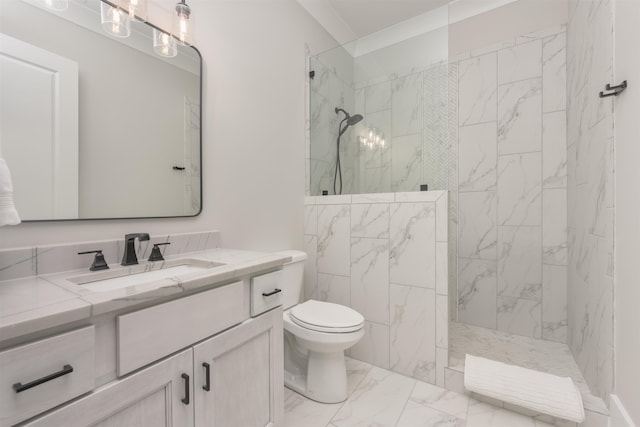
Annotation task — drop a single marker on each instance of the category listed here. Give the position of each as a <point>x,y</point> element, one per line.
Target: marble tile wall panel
<point>520,189</point>
<point>412,241</point>
<point>406,157</point>
<point>406,105</point>
<point>374,346</point>
<point>437,156</point>
<point>333,239</point>
<point>554,150</point>
<point>370,278</point>
<point>554,303</point>
<point>520,316</point>
<point>477,291</point>
<point>554,234</point>
<point>519,116</point>
<point>520,262</point>
<point>375,225</point>
<point>377,98</point>
<point>477,158</point>
<point>521,62</point>
<point>16,263</point>
<point>477,230</point>
<point>311,220</point>
<point>413,332</point>
<point>310,290</point>
<point>477,86</point>
<point>554,72</point>
<point>591,178</point>
<point>335,289</point>
<point>370,220</point>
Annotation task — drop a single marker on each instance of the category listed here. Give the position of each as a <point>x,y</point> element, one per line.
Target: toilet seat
<point>326,317</point>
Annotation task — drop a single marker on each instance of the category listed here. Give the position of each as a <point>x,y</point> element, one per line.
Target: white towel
<point>8,213</point>
<point>539,391</point>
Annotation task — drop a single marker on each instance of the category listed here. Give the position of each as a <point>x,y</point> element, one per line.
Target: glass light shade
<point>182,26</point>
<point>115,21</point>
<point>57,5</point>
<point>164,44</point>
<point>137,10</point>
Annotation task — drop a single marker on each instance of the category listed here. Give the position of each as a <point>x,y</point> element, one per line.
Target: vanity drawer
<point>37,376</point>
<point>147,335</point>
<point>266,292</point>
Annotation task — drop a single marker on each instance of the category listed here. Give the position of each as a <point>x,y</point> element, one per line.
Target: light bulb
<point>115,21</point>
<point>164,44</point>
<point>137,10</point>
<point>182,28</point>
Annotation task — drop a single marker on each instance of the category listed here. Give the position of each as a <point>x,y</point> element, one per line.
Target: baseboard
<point>619,417</point>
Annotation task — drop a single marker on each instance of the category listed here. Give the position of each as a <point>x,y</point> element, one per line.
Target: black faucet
<point>129,257</point>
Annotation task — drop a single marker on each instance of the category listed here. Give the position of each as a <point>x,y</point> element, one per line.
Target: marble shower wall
<point>385,255</point>
<point>512,186</point>
<point>591,186</point>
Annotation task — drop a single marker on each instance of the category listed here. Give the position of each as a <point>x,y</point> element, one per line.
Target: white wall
<point>253,130</point>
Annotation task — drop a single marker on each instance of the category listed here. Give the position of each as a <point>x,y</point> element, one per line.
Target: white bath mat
<point>541,392</point>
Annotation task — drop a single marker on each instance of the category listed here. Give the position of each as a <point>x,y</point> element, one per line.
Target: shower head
<point>351,120</point>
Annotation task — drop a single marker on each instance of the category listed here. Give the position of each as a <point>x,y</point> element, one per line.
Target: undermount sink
<point>139,274</point>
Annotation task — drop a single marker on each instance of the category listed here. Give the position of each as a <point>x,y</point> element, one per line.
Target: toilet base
<point>325,380</point>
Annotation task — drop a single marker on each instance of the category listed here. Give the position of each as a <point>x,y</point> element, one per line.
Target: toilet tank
<point>292,278</point>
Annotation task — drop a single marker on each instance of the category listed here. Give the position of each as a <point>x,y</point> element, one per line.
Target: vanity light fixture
<point>57,5</point>
<point>182,28</point>
<point>164,44</point>
<point>115,21</point>
<point>137,10</point>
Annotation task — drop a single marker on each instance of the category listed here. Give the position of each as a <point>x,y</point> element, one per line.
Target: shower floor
<point>544,356</point>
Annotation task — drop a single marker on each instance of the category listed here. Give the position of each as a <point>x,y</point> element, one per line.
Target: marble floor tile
<point>415,415</point>
<point>446,401</point>
<point>483,415</point>
<point>380,398</point>
<point>378,401</point>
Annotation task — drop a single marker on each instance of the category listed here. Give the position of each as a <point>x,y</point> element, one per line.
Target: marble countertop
<point>36,303</point>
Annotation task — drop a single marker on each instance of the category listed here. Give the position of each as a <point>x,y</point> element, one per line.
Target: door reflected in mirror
<point>93,126</point>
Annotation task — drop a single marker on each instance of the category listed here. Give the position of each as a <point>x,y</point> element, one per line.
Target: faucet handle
<point>156,255</point>
<point>99,263</point>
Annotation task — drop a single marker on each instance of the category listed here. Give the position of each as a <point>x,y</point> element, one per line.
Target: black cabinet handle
<point>207,377</point>
<point>275,291</point>
<point>19,387</point>
<point>185,377</point>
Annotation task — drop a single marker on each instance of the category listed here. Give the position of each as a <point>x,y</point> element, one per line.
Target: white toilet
<point>315,336</point>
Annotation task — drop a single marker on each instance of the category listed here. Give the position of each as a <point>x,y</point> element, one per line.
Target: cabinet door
<point>155,396</point>
<point>243,371</point>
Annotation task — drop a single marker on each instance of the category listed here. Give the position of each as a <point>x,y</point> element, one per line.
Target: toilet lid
<point>326,317</point>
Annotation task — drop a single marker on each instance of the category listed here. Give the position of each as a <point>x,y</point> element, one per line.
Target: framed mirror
<point>94,126</point>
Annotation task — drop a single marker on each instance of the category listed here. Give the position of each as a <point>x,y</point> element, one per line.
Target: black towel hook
<point>617,90</point>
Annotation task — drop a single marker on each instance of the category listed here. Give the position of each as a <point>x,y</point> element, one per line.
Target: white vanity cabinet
<point>239,375</point>
<point>194,361</point>
<point>158,396</point>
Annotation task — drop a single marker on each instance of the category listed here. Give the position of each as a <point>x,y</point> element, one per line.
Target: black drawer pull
<point>275,291</point>
<point>185,377</point>
<point>207,377</point>
<point>66,369</point>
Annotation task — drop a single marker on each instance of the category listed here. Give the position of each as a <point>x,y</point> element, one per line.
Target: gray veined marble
<point>412,240</point>
<point>477,85</point>
<point>370,220</point>
<point>377,97</point>
<point>520,262</point>
<point>370,278</point>
<point>554,150</point>
<point>335,289</point>
<point>406,158</point>
<point>554,72</point>
<point>519,117</point>
<point>520,316</point>
<point>477,160</point>
<point>477,290</point>
<point>406,101</point>
<point>521,62</point>
<point>477,230</point>
<point>333,239</point>
<point>413,332</point>
<point>520,189</point>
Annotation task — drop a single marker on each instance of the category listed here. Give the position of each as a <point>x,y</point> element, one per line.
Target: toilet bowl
<point>316,334</point>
